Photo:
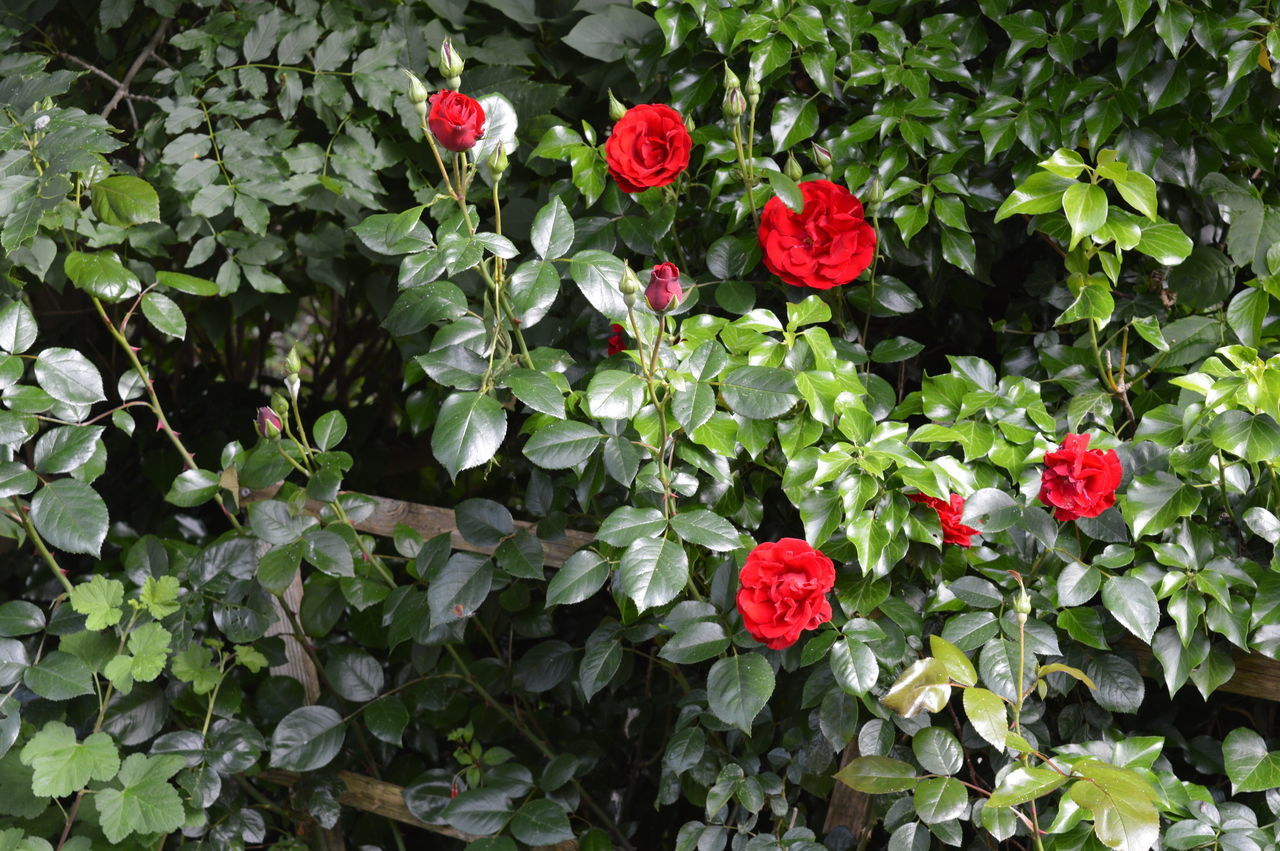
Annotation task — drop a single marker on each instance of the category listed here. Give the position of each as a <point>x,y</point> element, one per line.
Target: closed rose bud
<point>629,284</point>
<point>752,89</point>
<point>418,93</point>
<point>267,424</point>
<point>279,404</point>
<point>792,169</point>
<point>450,61</point>
<point>498,160</point>
<point>664,287</point>
<point>822,159</point>
<point>731,80</point>
<point>292,362</point>
<point>1022,603</point>
<point>456,120</point>
<point>734,103</point>
<point>616,107</point>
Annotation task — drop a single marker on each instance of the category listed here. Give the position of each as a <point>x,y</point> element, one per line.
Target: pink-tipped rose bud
<point>664,287</point>
<point>267,424</point>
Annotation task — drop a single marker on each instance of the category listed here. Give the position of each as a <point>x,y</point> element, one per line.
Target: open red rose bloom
<point>784,591</point>
<point>1078,481</point>
<point>649,146</point>
<point>456,120</point>
<point>949,514</point>
<point>826,244</point>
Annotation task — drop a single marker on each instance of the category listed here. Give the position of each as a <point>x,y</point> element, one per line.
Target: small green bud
<point>279,404</point>
<point>498,160</point>
<point>629,299</point>
<point>630,284</point>
<point>688,123</point>
<point>752,88</point>
<point>450,62</point>
<point>418,93</point>
<point>792,168</point>
<point>731,80</point>
<point>293,362</point>
<point>1022,603</point>
<point>616,108</point>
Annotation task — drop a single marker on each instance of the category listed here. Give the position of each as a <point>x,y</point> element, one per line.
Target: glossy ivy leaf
<point>1042,192</point>
<point>308,738</point>
<point>1250,766</point>
<point>1155,501</point>
<point>738,687</point>
<point>1253,437</point>
<point>1132,602</point>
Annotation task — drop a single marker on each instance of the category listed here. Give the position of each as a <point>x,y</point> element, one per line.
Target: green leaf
<point>1154,501</point>
<point>578,578</point>
<point>1085,205</point>
<point>101,274</point>
<point>164,314</point>
<point>66,449</point>
<point>1132,11</point>
<point>615,395</point>
<point>1024,783</point>
<point>706,529</point>
<point>62,766</point>
<point>541,822</point>
<point>938,799</point>
<point>17,327</point>
<point>958,666</point>
<point>1064,163</point>
<point>896,349</point>
<point>854,666</point>
<point>1094,302</point>
<point>987,715</point>
<point>478,811</point>
<point>553,231</point>
<point>626,525</point>
<point>759,392</point>
<point>1132,602</point>
<point>70,516</point>
<point>468,432</point>
<point>191,488</point>
<point>738,687</point>
<point>1139,190</point>
<point>938,750</point>
<point>794,120</point>
<point>1040,193</point>
<point>387,233</point>
<point>307,738</point>
<point>653,572</point>
<point>186,283</point>
<point>598,275</point>
<point>1253,437</point>
<point>1165,242</point>
<point>877,775</point>
<point>146,803</point>
<point>160,596</point>
<point>124,200</point>
<point>69,377</point>
<point>59,676</point>
<point>99,600</point>
<point>563,444</point>
<point>536,390</point>
<point>923,687</point>
<point>786,189</point>
<point>1250,766</point>
<point>695,642</point>
<point>329,430</point>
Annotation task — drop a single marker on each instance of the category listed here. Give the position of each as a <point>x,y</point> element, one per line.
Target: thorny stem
<point>747,177</point>
<point>663,474</point>
<point>161,420</point>
<point>40,547</point>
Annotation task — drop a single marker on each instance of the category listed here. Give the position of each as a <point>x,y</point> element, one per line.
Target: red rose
<point>784,591</point>
<point>456,120</point>
<point>949,513</point>
<point>1078,481</point>
<point>664,287</point>
<point>826,244</point>
<point>617,343</point>
<point>649,146</point>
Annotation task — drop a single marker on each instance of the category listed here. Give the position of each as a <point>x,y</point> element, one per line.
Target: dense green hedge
<point>1067,223</point>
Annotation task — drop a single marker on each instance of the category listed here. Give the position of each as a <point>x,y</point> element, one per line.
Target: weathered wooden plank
<point>387,800</point>
<point>429,521</point>
<point>1256,675</point>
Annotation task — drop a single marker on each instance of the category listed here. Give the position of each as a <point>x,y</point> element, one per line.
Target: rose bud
<point>664,287</point>
<point>456,120</point>
<point>792,168</point>
<point>450,62</point>
<point>630,284</point>
<point>616,108</point>
<point>822,159</point>
<point>418,94</point>
<point>752,88</point>
<point>498,160</point>
<point>734,103</point>
<point>267,424</point>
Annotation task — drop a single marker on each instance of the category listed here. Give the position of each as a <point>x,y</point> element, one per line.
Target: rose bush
<point>355,489</point>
